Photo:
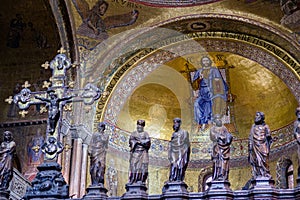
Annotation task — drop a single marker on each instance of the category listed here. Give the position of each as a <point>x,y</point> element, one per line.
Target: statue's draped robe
<point>221,152</point>
<point>139,143</point>
<point>6,166</point>
<point>297,137</point>
<point>260,141</point>
<point>179,155</point>
<point>97,152</point>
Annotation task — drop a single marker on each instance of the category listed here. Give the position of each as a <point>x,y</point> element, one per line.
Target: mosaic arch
<point>145,38</point>
<point>125,86</point>
<point>174,3</point>
<point>127,71</point>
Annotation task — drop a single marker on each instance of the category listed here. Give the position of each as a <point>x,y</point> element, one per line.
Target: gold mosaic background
<point>255,88</point>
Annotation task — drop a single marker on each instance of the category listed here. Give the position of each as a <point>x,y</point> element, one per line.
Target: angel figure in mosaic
<point>95,25</point>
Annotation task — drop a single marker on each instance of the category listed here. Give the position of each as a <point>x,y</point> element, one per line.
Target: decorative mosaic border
<point>174,3</point>
<point>133,78</point>
<point>94,62</point>
<point>159,148</point>
<point>125,86</point>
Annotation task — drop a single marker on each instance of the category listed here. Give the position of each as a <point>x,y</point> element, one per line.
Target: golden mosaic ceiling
<point>160,96</point>
<point>263,81</point>
<point>100,55</point>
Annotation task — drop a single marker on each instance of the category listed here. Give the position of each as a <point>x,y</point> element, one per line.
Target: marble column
<point>76,168</point>
<point>59,158</point>
<point>83,169</point>
<point>66,158</point>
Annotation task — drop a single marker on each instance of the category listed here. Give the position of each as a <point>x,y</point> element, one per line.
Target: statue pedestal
<point>135,191</point>
<point>263,183</point>
<point>219,190</point>
<point>48,183</point>
<point>262,188</point>
<point>4,194</point>
<point>219,185</point>
<point>175,190</point>
<point>97,192</point>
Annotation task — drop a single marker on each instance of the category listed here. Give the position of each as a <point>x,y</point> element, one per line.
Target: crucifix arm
<point>42,99</point>
<point>67,98</point>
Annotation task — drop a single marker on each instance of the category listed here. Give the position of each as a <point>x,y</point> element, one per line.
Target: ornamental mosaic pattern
<point>174,3</point>
<point>119,138</point>
<point>199,151</point>
<point>134,77</point>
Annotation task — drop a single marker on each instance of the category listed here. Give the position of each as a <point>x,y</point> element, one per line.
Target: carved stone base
<point>262,183</point>
<point>48,183</point>
<point>135,191</point>
<point>219,185</point>
<point>175,190</point>
<point>219,190</point>
<point>4,194</point>
<point>96,192</point>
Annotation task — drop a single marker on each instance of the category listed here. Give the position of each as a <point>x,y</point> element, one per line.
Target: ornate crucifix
<point>49,181</point>
<point>57,97</point>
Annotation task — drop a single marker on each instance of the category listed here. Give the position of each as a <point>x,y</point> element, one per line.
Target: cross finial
<point>43,109</point>
<point>26,84</point>
<point>46,84</point>
<point>36,148</point>
<point>9,99</point>
<point>61,50</point>
<point>71,84</point>
<point>68,107</point>
<point>23,113</point>
<point>67,147</point>
<point>46,65</point>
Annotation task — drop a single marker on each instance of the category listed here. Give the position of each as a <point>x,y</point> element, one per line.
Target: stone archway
<point>203,176</point>
<point>282,166</point>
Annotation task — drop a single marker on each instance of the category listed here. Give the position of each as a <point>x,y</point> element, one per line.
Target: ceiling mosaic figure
<point>94,22</point>
<point>144,57</point>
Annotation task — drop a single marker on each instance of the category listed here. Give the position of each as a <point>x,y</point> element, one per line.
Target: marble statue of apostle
<point>7,151</point>
<point>139,143</point>
<point>221,150</point>
<point>260,141</point>
<point>97,152</point>
<point>179,152</point>
<point>297,135</point>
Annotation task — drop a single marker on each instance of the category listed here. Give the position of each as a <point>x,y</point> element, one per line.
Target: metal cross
<point>9,100</point>
<point>56,98</point>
